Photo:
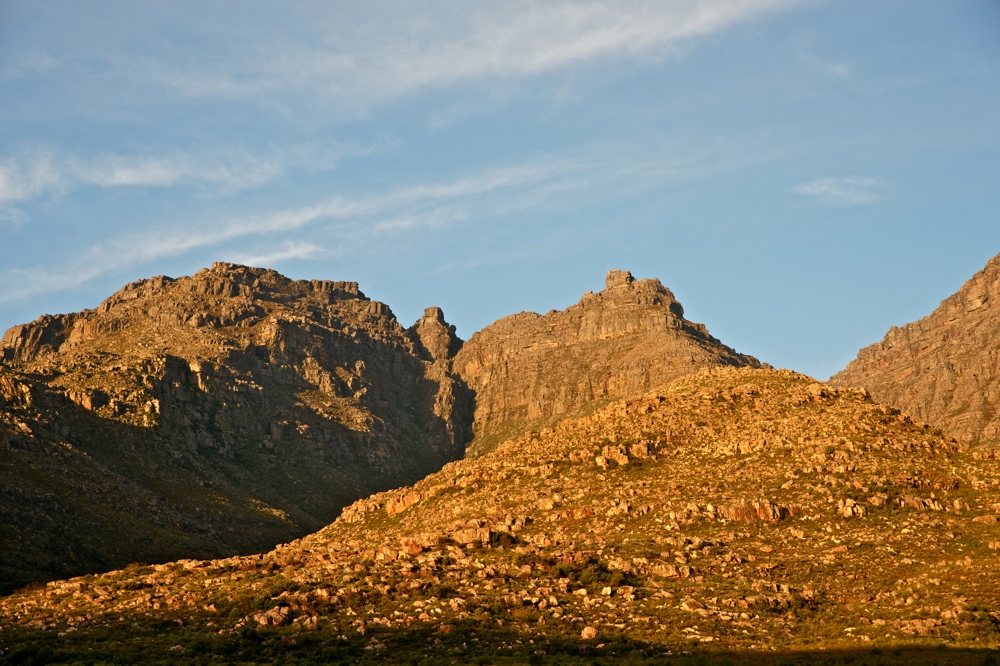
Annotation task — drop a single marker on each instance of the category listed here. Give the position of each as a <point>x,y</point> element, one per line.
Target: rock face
<point>731,513</point>
<point>210,415</point>
<point>530,370</point>
<point>945,368</point>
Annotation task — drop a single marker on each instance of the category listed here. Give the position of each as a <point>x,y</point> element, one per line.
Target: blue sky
<point>802,174</point>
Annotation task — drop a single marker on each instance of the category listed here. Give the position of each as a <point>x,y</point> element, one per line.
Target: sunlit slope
<point>730,511</point>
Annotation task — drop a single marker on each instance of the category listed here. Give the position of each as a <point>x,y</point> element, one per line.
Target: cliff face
<point>530,370</point>
<point>209,415</point>
<point>945,368</point>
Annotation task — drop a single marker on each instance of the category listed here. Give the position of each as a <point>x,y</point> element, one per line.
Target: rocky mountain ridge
<point>236,408</point>
<point>222,412</point>
<point>530,371</point>
<point>944,368</point>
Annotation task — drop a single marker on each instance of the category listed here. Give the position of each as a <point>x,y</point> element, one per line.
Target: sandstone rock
<point>588,633</point>
<point>214,414</point>
<point>945,368</point>
<point>530,370</point>
<point>435,336</point>
<point>275,617</point>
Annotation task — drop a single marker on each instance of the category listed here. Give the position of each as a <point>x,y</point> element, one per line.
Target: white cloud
<point>27,179</point>
<point>287,250</point>
<point>395,215</point>
<point>122,171</point>
<point>31,176</point>
<point>361,57</point>
<point>832,68</point>
<point>843,191</point>
<point>360,217</point>
<point>29,65</point>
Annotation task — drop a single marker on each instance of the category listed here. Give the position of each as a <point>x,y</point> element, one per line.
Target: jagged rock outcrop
<point>530,370</point>
<point>212,414</point>
<point>435,337</point>
<point>945,368</point>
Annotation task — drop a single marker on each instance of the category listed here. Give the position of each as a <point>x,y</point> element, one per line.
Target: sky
<point>802,174</point>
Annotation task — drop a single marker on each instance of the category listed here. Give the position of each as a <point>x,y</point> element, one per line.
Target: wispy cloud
<point>21,180</point>
<point>358,217</point>
<point>394,49</point>
<point>352,223</point>
<point>31,176</point>
<point>29,65</point>
<point>287,250</point>
<point>842,191</point>
<point>830,67</point>
<point>122,171</point>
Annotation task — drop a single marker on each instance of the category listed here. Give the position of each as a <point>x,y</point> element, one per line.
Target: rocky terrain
<point>530,371</point>
<point>732,516</point>
<point>945,368</point>
<point>229,411</point>
<point>211,415</point>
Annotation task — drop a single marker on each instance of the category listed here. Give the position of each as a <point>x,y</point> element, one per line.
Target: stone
<point>434,336</point>
<point>176,395</point>
<point>945,368</point>
<point>528,371</point>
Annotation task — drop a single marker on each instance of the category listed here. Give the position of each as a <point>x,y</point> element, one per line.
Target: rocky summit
<point>215,414</point>
<point>530,371</point>
<point>945,368</point>
<point>732,516</point>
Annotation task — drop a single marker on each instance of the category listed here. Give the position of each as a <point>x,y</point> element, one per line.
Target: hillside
<point>212,415</point>
<point>746,514</point>
<point>529,371</point>
<point>945,368</point>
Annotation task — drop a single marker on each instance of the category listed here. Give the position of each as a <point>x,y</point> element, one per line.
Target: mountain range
<point>606,481</point>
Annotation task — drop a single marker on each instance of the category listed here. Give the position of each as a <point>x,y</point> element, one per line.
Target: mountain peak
<point>529,370</point>
<point>618,278</point>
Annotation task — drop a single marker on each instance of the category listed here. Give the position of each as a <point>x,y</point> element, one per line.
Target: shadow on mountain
<point>217,471</point>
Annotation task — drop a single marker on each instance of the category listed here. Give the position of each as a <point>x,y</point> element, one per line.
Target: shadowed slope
<point>209,415</point>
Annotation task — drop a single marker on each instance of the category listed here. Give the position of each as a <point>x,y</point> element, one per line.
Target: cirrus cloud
<point>842,191</point>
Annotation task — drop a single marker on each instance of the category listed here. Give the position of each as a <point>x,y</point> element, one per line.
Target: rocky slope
<point>530,370</point>
<point>945,368</point>
<point>740,514</point>
<point>212,415</point>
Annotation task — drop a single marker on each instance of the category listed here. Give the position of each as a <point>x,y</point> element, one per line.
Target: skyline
<point>801,174</point>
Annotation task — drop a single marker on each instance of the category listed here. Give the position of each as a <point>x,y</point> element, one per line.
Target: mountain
<point>945,368</point>
<point>228,411</point>
<point>732,516</point>
<point>529,371</point>
<point>212,415</point>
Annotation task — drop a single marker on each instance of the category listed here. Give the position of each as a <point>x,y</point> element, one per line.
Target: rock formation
<point>236,408</point>
<point>211,415</point>
<point>530,370</point>
<point>743,516</point>
<point>945,368</point>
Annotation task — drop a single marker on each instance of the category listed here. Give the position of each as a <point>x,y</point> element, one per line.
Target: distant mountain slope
<point>945,368</point>
<point>212,415</point>
<point>530,370</point>
<point>734,514</point>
